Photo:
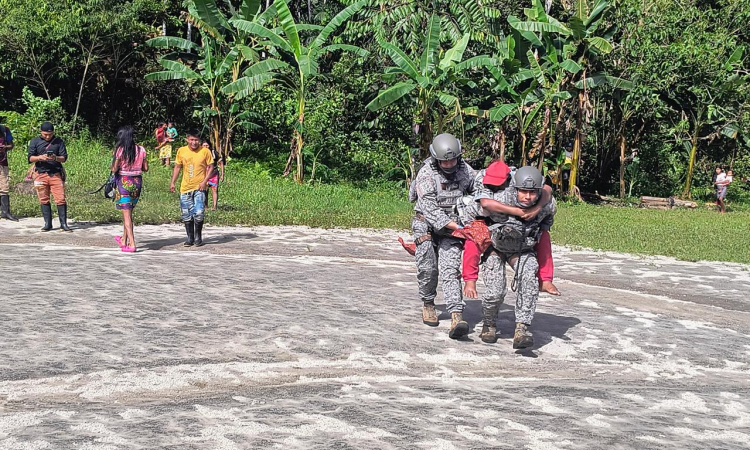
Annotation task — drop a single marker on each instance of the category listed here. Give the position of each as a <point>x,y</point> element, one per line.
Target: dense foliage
<point>647,96</point>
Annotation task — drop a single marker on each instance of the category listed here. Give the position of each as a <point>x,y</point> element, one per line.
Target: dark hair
<point>126,142</point>
<point>193,133</point>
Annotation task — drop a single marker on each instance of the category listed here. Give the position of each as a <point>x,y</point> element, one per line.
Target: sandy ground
<point>293,337</point>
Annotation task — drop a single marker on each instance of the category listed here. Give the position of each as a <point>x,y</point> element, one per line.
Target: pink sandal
<point>128,249</point>
<point>118,239</point>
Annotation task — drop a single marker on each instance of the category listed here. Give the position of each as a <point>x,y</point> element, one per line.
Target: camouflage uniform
<point>513,242</point>
<point>437,252</point>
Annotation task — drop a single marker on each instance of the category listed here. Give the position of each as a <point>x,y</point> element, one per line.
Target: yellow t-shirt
<point>194,164</point>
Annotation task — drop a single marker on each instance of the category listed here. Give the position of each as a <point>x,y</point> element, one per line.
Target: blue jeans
<point>193,205</point>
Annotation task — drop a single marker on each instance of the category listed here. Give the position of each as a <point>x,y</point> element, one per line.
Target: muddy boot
<point>190,230</point>
<point>198,234</point>
<point>62,214</point>
<point>5,208</point>
<point>459,327</point>
<point>429,315</point>
<point>523,337</point>
<point>47,214</point>
<point>489,334</point>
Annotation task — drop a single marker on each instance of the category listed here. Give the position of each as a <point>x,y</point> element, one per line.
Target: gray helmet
<point>445,147</point>
<point>528,178</point>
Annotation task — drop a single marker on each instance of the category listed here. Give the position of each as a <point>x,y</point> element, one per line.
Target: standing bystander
<point>48,152</point>
<point>198,165</point>
<point>6,145</point>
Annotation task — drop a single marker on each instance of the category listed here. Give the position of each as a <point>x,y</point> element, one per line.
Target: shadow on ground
<point>545,326</point>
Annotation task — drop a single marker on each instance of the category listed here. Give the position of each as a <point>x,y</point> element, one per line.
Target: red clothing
<point>160,135</point>
<point>470,270</point>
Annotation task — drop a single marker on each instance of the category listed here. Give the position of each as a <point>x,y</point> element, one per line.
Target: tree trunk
<point>502,142</point>
<point>622,163</point>
<point>295,153</point>
<point>523,149</point>
<point>576,146</point>
<point>691,163</point>
<point>83,82</point>
<point>425,134</point>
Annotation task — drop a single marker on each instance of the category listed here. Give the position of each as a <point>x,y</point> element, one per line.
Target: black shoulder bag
<point>110,185</point>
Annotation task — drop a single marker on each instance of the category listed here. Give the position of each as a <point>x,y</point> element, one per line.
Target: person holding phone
<point>48,153</point>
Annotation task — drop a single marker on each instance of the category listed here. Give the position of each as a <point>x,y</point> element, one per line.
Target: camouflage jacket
<point>436,195</point>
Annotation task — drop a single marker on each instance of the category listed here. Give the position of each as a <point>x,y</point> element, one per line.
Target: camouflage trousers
<point>494,277</point>
<point>441,257</point>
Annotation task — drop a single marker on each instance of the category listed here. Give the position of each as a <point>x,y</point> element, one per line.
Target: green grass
<point>692,235</point>
<point>248,197</point>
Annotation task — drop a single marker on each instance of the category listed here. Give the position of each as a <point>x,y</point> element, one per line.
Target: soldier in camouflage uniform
<point>442,181</point>
<point>513,241</point>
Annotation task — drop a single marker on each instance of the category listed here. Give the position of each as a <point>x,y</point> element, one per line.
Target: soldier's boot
<point>5,208</point>
<point>489,329</point>
<point>429,315</point>
<point>47,214</point>
<point>62,214</point>
<point>190,230</point>
<point>198,234</point>
<point>522,337</point>
<point>489,333</point>
<point>459,327</point>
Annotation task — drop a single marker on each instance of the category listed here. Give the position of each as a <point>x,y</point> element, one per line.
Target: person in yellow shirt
<point>198,165</point>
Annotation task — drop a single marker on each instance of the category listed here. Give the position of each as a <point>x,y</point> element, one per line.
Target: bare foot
<point>548,287</point>
<point>470,289</point>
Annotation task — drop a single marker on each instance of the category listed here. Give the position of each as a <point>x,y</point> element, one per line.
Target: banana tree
<point>214,63</point>
<point>575,47</point>
<point>430,82</point>
<point>293,63</point>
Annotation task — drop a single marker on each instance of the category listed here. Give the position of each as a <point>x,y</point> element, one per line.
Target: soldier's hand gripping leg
<point>526,298</point>
<point>493,297</point>
<point>449,265</point>
<point>427,271</point>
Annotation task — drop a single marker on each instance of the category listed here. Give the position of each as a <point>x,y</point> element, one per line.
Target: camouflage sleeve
<point>471,175</point>
<point>547,215</point>
<point>480,190</point>
<point>427,202</point>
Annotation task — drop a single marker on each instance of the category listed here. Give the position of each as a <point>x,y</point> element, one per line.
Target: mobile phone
<point>50,153</point>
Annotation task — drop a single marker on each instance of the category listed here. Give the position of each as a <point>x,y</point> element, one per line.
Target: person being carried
<point>198,165</point>
<point>171,132</point>
<point>513,242</point>
<point>721,182</point>
<point>489,185</point>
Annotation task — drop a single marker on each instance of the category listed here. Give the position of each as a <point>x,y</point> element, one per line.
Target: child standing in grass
<point>721,183</point>
<point>216,177</point>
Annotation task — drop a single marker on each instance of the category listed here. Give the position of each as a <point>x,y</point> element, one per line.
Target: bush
<point>38,110</point>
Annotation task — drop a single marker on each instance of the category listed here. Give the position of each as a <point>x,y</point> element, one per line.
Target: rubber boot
<point>459,327</point>
<point>522,337</point>
<point>198,234</point>
<point>190,230</point>
<point>429,316</point>
<point>47,214</point>
<point>5,208</point>
<point>62,214</point>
